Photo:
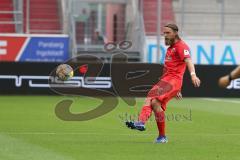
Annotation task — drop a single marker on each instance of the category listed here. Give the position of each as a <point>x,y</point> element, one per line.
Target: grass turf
<point>197,129</point>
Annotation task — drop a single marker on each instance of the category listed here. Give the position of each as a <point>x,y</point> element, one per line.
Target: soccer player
<point>169,86</point>
<point>226,80</point>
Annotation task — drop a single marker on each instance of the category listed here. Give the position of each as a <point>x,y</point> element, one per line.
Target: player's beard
<point>169,41</point>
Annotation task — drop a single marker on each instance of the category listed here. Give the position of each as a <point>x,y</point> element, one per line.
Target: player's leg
<point>158,109</point>
<point>144,115</point>
<point>157,90</point>
<point>159,103</point>
<point>159,95</point>
<point>160,89</point>
<point>146,111</point>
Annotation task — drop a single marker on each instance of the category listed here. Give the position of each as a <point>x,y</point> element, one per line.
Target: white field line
<point>221,100</point>
<point>123,134</point>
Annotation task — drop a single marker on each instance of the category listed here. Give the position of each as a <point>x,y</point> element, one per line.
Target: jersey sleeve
<point>184,52</point>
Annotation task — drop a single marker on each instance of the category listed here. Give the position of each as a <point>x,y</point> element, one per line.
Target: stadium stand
<point>91,24</point>
<point>208,18</point>
<point>150,16</point>
<point>220,17</point>
<point>6,17</point>
<point>44,16</point>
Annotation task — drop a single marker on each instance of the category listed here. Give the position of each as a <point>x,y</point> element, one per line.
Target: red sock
<point>160,119</point>
<point>145,114</point>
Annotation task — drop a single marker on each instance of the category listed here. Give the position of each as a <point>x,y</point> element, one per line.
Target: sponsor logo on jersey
<point>186,52</point>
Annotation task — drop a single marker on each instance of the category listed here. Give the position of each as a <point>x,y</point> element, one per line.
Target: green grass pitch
<point>197,129</point>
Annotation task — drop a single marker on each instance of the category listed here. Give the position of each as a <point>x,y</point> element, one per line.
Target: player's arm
<point>195,80</point>
<point>225,80</point>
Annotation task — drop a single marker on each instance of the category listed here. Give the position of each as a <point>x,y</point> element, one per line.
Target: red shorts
<point>164,90</point>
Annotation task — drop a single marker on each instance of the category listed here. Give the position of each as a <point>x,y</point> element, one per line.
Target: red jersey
<point>174,65</point>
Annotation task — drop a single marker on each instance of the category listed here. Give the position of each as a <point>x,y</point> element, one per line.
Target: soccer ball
<point>64,72</point>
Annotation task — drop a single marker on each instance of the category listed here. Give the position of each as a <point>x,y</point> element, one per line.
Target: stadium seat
<point>150,15</point>
<point>6,19</point>
<point>44,16</point>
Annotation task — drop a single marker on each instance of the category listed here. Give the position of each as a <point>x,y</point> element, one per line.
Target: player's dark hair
<point>174,27</point>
